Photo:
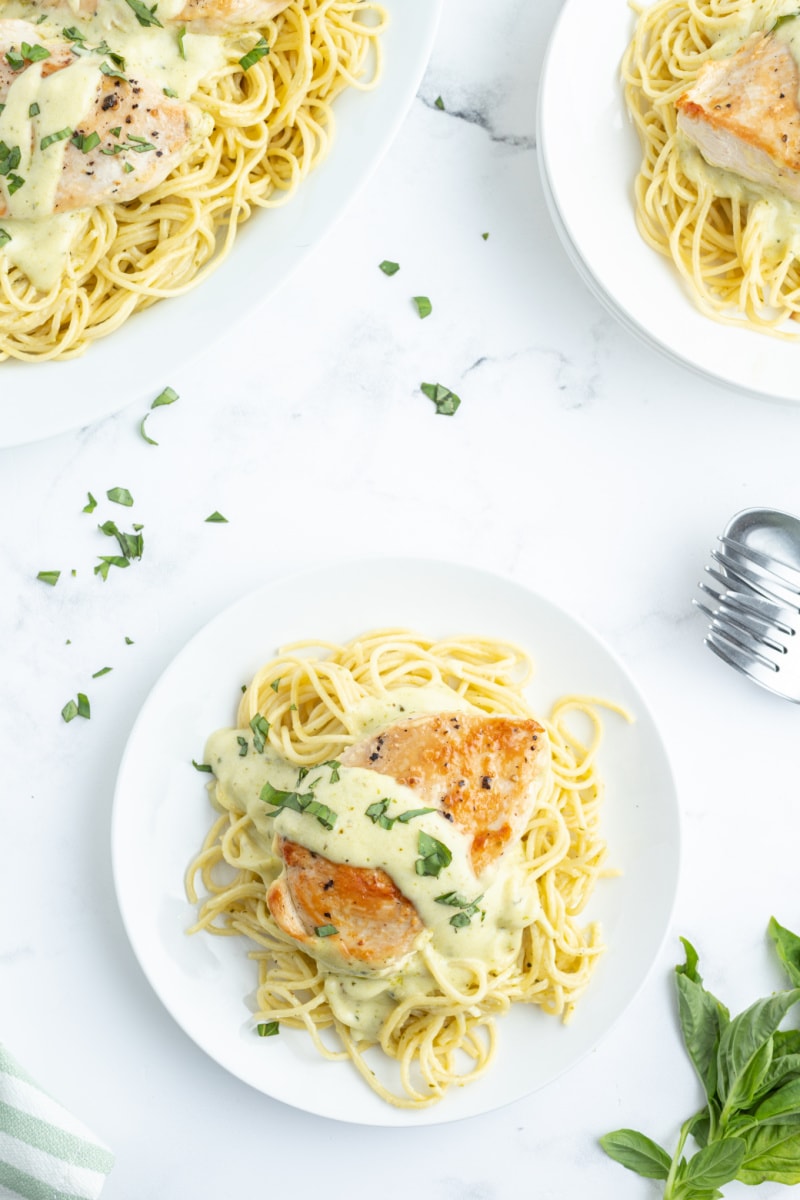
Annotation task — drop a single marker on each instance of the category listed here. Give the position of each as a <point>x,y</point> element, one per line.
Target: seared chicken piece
<point>376,924</point>
<point>742,113</point>
<point>484,773</point>
<point>211,15</point>
<point>142,133</point>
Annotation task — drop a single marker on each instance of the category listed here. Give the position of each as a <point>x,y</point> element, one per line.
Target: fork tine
<point>776,615</point>
<point>743,661</point>
<point>780,569</point>
<point>756,578</point>
<point>747,640</point>
<point>755,632</point>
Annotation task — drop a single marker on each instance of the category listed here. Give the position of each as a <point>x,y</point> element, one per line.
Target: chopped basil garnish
<point>260,728</point>
<point>410,813</point>
<point>325,930</point>
<point>15,60</point>
<point>91,506</point>
<point>424,306</point>
<point>276,683</point>
<point>107,69</point>
<point>102,671</point>
<point>131,544</point>
<point>244,746</point>
<point>129,641</point>
<point>60,136</point>
<point>434,855</point>
<point>377,813</point>
<point>334,766</point>
<point>110,560</point>
<point>439,102</point>
<point>181,47</point>
<point>168,91</point>
<point>485,237</point>
<point>299,803</point>
<point>120,496</point>
<point>69,711</point>
<point>80,709</point>
<point>268,1028</point>
<point>259,51</point>
<point>86,141</point>
<point>144,15</point>
<point>5,237</point>
<point>34,53</point>
<point>389,268</point>
<point>469,908</point>
<point>33,109</point>
<point>50,577</point>
<point>203,767</point>
<point>168,396</point>
<point>782,20</point>
<point>446,401</point>
<point>217,518</point>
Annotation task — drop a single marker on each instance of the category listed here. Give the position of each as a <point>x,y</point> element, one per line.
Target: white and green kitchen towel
<point>45,1153</point>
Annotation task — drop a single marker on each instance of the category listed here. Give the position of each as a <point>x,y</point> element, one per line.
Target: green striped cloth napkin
<point>45,1153</point>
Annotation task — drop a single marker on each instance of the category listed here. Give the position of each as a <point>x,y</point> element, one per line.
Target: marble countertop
<point>581,464</point>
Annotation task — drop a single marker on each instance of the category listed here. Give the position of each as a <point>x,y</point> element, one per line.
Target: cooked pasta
<point>736,244</point>
<point>308,706</point>
<point>272,123</point>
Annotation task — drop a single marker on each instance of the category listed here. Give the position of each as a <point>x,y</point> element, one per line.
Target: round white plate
<point>162,813</point>
<point>42,399</point>
<point>589,156</point>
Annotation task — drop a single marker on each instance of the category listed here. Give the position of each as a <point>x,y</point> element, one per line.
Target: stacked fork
<point>755,617</point>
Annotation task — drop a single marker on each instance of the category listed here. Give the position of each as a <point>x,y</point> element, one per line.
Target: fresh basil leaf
<point>787,945</point>
<point>772,1152</point>
<point>741,1043</point>
<point>637,1152</point>
<point>783,1103</point>
<point>716,1164</point>
<point>702,1019</point>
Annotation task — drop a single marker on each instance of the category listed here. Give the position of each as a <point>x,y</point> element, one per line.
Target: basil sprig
<point>749,1127</point>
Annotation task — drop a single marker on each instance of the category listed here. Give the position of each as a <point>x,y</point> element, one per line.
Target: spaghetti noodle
<point>439,1026</point>
<point>736,245</point>
<point>272,124</point>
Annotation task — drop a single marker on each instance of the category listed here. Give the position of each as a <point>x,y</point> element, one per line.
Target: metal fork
<point>753,629</point>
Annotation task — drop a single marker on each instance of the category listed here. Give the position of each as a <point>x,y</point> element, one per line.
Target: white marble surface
<point>580,463</point>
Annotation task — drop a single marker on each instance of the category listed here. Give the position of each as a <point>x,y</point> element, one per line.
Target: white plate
<point>43,399</point>
<point>589,156</point>
<point>161,815</point>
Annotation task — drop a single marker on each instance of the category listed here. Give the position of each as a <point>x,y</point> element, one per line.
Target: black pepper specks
<point>486,782</point>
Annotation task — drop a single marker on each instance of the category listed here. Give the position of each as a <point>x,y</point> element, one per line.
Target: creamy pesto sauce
<point>65,97</point>
<point>777,214</point>
<point>362,997</point>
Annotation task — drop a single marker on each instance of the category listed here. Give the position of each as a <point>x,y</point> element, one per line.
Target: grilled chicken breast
<point>484,774</point>
<point>742,113</point>
<point>129,140</point>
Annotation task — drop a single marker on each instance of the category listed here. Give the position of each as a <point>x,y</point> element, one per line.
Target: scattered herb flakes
<point>131,544</point>
<point>424,306</point>
<point>180,36</point>
<point>77,708</point>
<point>168,396</point>
<point>217,518</point>
<point>244,746</point>
<point>485,237</point>
<point>304,803</point>
<point>102,671</point>
<point>203,767</point>
<point>120,495</point>
<point>129,641</point>
<point>110,560</point>
<point>5,237</point>
<point>325,930</point>
<point>92,504</point>
<point>439,102</point>
<point>144,15</point>
<point>268,1028</point>
<point>276,683</point>
<point>334,766</point>
<point>446,401</point>
<point>389,268</point>
<point>468,908</point>
<point>51,577</point>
